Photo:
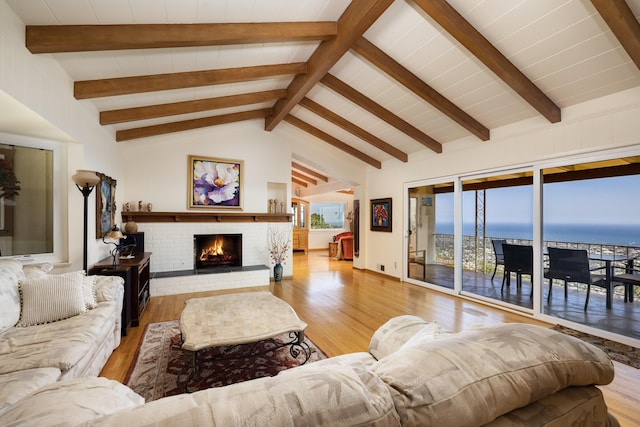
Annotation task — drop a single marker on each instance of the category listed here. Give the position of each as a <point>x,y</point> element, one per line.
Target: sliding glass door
<point>498,210</point>
<point>430,234</point>
<point>592,212</point>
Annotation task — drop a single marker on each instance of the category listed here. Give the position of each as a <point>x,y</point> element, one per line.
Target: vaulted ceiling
<point>379,80</point>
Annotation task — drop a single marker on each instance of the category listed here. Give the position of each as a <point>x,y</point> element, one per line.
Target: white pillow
<point>37,271</point>
<point>88,287</point>
<point>50,299</point>
<point>10,274</point>
<point>89,291</point>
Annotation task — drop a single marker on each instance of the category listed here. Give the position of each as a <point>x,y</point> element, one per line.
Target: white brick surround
<point>171,245</point>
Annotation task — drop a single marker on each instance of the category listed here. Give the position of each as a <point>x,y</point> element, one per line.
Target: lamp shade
<point>114,234</point>
<point>86,178</point>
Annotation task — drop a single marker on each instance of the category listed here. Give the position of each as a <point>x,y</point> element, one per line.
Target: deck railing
<point>478,255</point>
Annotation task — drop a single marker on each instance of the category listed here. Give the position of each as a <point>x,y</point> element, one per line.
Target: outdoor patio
<point>623,318</point>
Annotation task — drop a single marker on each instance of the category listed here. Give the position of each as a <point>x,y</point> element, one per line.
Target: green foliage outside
<point>317,222</point>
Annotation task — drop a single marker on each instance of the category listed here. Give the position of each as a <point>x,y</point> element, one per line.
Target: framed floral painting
<point>381,214</point>
<point>215,183</point>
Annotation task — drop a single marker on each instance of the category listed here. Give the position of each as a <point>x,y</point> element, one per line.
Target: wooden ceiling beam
<point>309,171</point>
<point>164,110</point>
<point>83,38</point>
<point>143,132</point>
<point>395,70</point>
<point>337,120</point>
<point>140,84</point>
<point>332,141</point>
<point>299,182</point>
<point>304,177</point>
<point>461,30</point>
<point>356,19</point>
<point>382,113</point>
<point>624,25</point>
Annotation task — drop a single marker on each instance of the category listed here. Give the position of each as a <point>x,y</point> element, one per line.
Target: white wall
<point>606,123</point>
<point>40,84</point>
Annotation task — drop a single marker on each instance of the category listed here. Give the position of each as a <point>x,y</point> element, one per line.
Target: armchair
<point>345,245</point>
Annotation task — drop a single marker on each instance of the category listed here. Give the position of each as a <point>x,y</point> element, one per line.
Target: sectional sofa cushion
<point>71,402</point>
<point>16,385</point>
<point>487,372</point>
<point>308,395</point>
<point>51,299</point>
<point>394,333</point>
<point>67,341</point>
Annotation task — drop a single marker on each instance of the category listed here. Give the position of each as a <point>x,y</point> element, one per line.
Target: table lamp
<point>114,235</point>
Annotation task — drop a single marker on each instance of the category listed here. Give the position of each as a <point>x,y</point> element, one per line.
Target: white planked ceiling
<point>563,46</point>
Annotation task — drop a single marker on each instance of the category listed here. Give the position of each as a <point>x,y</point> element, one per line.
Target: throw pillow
<point>10,274</point>
<point>88,287</point>
<point>50,299</point>
<point>89,292</point>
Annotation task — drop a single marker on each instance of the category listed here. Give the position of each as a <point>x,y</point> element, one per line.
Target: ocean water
<point>611,234</point>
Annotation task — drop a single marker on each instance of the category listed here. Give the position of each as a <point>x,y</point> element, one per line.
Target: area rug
<point>617,351</point>
<point>160,359</point>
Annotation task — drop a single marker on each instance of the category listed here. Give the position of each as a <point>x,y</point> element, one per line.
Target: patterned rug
<point>160,359</point>
<point>617,351</point>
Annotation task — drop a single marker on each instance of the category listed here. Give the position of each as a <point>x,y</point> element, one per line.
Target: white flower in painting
<point>215,183</point>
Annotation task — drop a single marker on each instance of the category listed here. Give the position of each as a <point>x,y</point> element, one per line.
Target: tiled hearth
<point>171,244</point>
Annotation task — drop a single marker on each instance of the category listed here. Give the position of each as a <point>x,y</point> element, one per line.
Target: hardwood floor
<point>344,306</point>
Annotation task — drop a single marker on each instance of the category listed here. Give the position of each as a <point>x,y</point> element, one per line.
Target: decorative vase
<point>130,227</point>
<point>277,272</point>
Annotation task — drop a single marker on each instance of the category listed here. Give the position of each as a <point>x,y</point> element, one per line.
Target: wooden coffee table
<point>235,319</point>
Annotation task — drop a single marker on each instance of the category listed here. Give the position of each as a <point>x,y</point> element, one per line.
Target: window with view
<point>26,200</point>
<point>327,215</point>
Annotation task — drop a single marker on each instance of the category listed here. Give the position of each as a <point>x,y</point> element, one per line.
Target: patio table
<point>608,260</point>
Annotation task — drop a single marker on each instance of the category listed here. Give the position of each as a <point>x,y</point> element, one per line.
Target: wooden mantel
<point>204,216</point>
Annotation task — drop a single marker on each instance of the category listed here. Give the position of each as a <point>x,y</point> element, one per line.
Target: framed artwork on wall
<point>105,204</point>
<point>215,183</point>
<point>381,214</point>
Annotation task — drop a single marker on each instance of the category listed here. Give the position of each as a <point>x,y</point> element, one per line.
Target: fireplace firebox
<point>212,251</point>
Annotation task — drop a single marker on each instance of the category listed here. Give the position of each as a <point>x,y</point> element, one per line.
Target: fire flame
<point>213,250</point>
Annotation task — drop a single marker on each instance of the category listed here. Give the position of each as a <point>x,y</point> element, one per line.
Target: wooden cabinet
<point>300,239</point>
<point>136,273</point>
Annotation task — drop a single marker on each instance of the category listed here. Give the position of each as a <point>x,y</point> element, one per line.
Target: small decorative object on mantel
<point>279,245</point>
<point>126,207</point>
<point>140,206</point>
<point>149,207</point>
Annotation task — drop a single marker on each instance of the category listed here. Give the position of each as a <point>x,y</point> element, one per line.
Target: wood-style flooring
<point>343,306</point>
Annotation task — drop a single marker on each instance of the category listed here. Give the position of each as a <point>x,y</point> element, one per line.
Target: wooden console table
<point>135,272</point>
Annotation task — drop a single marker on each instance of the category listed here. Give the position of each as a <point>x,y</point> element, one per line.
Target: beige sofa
<point>415,374</point>
<point>54,327</point>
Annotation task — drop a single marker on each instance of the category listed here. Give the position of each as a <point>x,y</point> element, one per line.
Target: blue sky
<point>594,201</point>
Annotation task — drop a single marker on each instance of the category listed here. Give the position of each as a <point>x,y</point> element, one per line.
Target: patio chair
<point>517,259</point>
<point>572,266</point>
<point>499,255</point>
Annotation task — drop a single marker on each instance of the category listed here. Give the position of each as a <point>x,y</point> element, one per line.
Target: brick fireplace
<point>170,239</point>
